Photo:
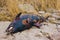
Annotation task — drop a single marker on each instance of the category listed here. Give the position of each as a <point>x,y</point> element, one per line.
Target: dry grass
<point>12,7</point>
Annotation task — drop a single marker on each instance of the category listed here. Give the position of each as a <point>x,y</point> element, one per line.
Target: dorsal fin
<point>18,14</point>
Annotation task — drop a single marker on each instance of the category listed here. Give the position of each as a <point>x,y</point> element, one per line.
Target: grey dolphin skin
<point>23,22</point>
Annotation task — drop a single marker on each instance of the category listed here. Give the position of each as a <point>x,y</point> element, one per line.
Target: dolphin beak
<point>9,31</point>
<point>10,28</point>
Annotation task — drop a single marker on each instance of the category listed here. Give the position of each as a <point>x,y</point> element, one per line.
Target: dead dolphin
<point>25,21</point>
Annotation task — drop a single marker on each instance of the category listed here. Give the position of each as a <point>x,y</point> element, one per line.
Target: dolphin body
<point>17,24</point>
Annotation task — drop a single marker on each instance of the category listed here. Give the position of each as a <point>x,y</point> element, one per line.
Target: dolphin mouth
<point>9,30</point>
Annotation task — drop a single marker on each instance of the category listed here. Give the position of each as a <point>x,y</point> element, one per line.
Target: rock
<point>27,8</point>
<point>58,28</point>
<point>44,33</point>
<point>25,35</point>
<point>56,16</point>
<point>53,20</point>
<point>48,28</point>
<point>41,12</point>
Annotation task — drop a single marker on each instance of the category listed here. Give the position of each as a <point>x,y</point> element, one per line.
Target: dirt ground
<point>46,32</point>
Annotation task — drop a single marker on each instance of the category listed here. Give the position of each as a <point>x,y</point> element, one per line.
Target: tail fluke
<point>46,16</point>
